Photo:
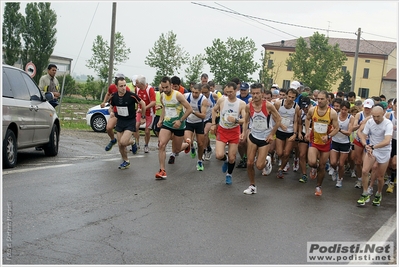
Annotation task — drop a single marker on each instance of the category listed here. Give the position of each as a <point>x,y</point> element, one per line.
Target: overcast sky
<point>141,24</point>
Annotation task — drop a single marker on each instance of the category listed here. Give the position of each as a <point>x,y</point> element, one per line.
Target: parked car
<point>97,118</point>
<point>29,120</point>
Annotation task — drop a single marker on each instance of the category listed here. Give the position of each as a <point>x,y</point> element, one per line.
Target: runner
<point>111,123</point>
<point>195,123</point>
<point>212,99</point>
<point>359,149</point>
<point>286,133</point>
<point>147,93</point>
<point>379,131</point>
<point>124,103</point>
<point>228,131</point>
<point>172,121</point>
<point>341,144</point>
<point>303,144</point>
<point>259,134</point>
<point>392,163</point>
<point>322,118</point>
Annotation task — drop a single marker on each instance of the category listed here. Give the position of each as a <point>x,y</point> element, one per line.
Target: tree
<point>233,58</point>
<point>194,69</point>
<point>268,73</point>
<point>166,56</point>
<point>70,86</point>
<point>38,35</point>
<point>345,85</point>
<point>92,88</point>
<point>318,65</point>
<point>12,28</point>
<point>99,61</point>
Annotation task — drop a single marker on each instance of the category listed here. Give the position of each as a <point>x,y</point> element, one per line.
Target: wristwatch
<point>193,112</point>
<point>372,147</point>
<point>143,116</point>
<point>328,136</point>
<point>236,120</point>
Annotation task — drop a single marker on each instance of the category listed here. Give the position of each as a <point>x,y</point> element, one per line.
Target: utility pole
<point>111,52</point>
<point>355,62</point>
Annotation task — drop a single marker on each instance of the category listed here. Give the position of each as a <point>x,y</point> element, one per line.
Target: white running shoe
<point>295,168</point>
<point>370,190</point>
<point>353,174</point>
<point>268,169</point>
<point>287,167</point>
<point>331,171</point>
<point>339,183</point>
<point>250,190</point>
<point>334,176</point>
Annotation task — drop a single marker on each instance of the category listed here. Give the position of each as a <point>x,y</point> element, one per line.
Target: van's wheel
<point>10,150</point>
<point>51,149</point>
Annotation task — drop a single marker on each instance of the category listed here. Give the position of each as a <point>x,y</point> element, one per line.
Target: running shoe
<point>363,200</point>
<point>171,159</point>
<point>110,145</point>
<point>200,166</point>
<point>339,183</point>
<point>228,179</point>
<point>358,183</point>
<point>303,179</point>
<point>188,141</point>
<point>268,168</point>
<point>124,165</point>
<point>377,200</point>
<point>317,191</point>
<point>193,152</point>
<point>250,190</point>
<point>287,167</point>
<point>134,148</point>
<point>353,174</point>
<point>370,190</point>
<point>161,174</point>
<point>225,166</point>
<point>279,162</point>
<point>390,188</point>
<point>295,168</point>
<point>242,164</point>
<point>208,155</point>
<point>146,149</point>
<point>335,175</point>
<point>331,171</point>
<point>280,174</point>
<point>313,173</point>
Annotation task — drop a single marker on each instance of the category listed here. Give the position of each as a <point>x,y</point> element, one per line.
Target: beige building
<point>375,66</point>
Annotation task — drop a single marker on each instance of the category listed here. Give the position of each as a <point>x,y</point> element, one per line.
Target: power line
<point>76,62</point>
<point>274,21</point>
<point>377,47</point>
<point>235,12</point>
<point>380,35</point>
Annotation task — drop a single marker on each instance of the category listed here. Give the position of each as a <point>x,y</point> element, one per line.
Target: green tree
<point>345,85</point>
<point>194,69</point>
<point>38,35</point>
<point>233,58</point>
<point>92,88</point>
<point>269,71</point>
<point>317,64</point>
<point>12,28</point>
<point>99,61</point>
<point>166,56</point>
<point>70,87</point>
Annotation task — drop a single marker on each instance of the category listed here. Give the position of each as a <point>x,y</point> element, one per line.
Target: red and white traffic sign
<point>30,68</point>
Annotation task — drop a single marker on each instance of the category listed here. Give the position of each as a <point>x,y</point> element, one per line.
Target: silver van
<point>29,120</point>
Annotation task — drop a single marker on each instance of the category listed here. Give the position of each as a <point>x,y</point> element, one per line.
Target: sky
<point>142,22</point>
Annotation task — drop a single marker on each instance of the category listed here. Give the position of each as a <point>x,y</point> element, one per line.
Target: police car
<point>97,118</point>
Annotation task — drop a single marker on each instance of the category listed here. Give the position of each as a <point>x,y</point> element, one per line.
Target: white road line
<point>381,235</point>
<point>36,168</point>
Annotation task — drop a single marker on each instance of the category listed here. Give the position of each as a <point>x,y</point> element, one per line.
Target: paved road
<point>78,208</point>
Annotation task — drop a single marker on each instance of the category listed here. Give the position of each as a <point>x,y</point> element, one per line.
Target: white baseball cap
<point>295,85</point>
<point>368,103</point>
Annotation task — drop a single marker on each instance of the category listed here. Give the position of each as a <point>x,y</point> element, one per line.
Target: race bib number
<point>171,112</point>
<point>285,121</point>
<point>259,124</point>
<point>122,111</point>
<point>320,127</point>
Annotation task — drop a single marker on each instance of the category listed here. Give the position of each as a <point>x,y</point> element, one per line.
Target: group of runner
<point>262,125</point>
